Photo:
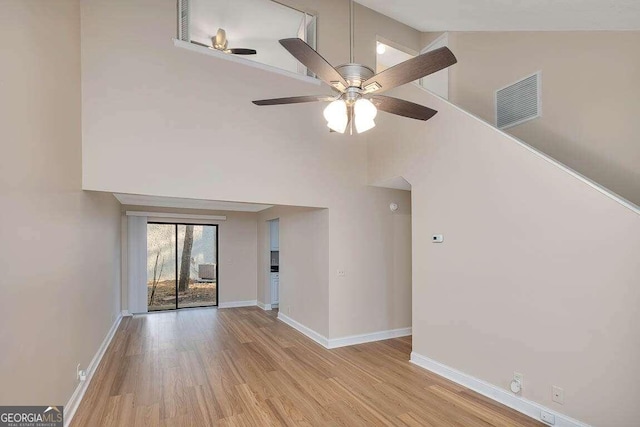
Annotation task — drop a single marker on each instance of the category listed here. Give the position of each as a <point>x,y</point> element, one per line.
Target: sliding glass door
<point>161,260</point>
<point>182,266</point>
<point>197,265</point>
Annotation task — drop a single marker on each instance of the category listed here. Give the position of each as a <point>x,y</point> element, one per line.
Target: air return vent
<point>183,20</point>
<point>519,102</point>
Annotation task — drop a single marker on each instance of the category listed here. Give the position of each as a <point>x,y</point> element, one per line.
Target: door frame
<point>217,244</point>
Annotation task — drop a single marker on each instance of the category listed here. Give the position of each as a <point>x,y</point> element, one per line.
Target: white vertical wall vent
<point>519,102</point>
<point>183,20</point>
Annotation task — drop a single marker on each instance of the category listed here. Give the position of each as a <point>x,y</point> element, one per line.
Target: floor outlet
<point>548,418</point>
<point>558,395</point>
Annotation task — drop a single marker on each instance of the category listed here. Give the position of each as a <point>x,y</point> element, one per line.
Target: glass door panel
<point>197,281</point>
<point>161,266</point>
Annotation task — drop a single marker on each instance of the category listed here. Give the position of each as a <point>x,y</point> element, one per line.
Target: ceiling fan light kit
<point>220,41</point>
<point>337,116</point>
<point>364,113</point>
<point>358,99</point>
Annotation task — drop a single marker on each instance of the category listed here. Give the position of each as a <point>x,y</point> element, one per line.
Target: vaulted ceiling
<point>507,15</point>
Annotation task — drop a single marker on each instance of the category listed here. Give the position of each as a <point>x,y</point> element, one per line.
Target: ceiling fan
<point>220,42</point>
<point>358,88</point>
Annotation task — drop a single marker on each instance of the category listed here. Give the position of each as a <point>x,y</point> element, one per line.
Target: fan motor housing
<point>355,74</point>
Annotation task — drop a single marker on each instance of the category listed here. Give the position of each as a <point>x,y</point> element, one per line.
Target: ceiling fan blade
<point>410,70</point>
<point>200,44</point>
<point>294,100</point>
<point>241,51</point>
<point>314,62</point>
<point>402,108</point>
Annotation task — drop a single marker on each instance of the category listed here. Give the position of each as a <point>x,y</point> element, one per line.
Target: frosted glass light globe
<point>365,112</point>
<point>336,116</point>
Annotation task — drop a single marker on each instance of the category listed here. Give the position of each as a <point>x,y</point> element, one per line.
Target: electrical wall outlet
<point>548,418</point>
<point>516,383</point>
<point>519,377</point>
<point>342,273</point>
<point>558,395</point>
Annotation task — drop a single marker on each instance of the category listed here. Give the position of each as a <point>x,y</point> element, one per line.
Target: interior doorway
<point>182,266</point>
<point>274,255</point>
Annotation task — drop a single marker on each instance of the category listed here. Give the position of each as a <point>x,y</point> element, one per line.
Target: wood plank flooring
<point>243,367</point>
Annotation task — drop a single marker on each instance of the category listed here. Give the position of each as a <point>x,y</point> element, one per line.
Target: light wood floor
<point>243,367</point>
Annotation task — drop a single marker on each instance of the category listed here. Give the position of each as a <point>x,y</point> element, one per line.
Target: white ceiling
<point>175,202</point>
<point>506,15</point>
<point>243,20</point>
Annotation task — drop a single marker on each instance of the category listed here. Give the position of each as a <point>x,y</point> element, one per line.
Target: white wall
<point>60,251</point>
<point>366,241</point>
<point>149,106</point>
<point>590,95</point>
<point>538,271</point>
<point>304,264</point>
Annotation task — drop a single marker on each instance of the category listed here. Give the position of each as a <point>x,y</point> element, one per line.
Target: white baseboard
<point>344,341</point>
<point>320,339</point>
<point>125,313</point>
<point>74,401</point>
<point>527,407</point>
<point>364,338</point>
<point>264,306</point>
<point>235,304</point>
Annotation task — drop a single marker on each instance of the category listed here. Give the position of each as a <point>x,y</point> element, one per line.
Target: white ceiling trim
<point>508,15</point>
<point>177,216</point>
<point>180,203</point>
